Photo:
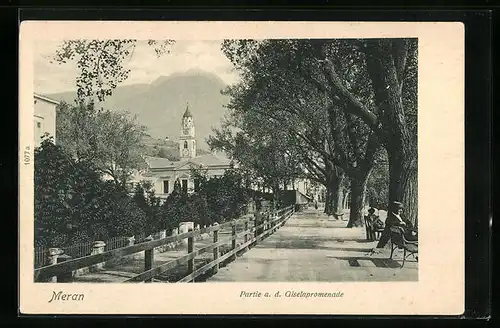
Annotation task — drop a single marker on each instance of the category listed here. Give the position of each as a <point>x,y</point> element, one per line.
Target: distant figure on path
<point>394,218</point>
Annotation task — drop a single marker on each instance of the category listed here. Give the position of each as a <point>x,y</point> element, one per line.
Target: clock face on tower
<point>185,152</point>
<point>185,130</point>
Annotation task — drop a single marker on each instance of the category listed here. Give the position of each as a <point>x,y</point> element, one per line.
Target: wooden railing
<point>263,226</point>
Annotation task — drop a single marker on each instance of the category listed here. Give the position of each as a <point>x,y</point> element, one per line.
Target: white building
<point>44,116</point>
<point>163,173</point>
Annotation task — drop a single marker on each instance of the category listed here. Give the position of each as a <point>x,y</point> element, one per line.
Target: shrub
<point>73,204</point>
<point>225,196</point>
<point>144,197</point>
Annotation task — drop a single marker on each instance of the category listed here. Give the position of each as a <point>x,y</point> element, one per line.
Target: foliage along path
<point>311,247</point>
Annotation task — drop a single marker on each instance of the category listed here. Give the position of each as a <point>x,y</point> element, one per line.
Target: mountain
<point>160,105</point>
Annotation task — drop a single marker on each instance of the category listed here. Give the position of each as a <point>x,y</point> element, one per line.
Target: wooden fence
<point>253,229</point>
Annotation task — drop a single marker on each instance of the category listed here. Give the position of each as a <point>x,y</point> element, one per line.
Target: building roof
<point>159,162</point>
<point>39,96</point>
<point>187,113</point>
<point>209,160</point>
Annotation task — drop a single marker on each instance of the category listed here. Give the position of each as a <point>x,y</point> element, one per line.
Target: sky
<point>145,66</point>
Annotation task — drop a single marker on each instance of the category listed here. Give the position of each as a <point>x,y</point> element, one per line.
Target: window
<point>185,144</point>
<point>184,185</point>
<point>165,187</point>
<point>196,185</point>
<point>38,129</point>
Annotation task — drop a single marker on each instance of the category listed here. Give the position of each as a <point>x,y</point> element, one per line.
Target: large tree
<point>389,67</point>
<point>283,107</point>
<point>368,85</point>
<point>276,83</point>
<point>112,142</point>
<point>261,148</point>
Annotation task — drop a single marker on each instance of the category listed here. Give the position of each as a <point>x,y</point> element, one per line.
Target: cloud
<point>49,76</point>
<point>144,65</point>
<point>184,56</point>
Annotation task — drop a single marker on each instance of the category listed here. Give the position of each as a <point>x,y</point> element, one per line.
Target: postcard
<point>212,167</point>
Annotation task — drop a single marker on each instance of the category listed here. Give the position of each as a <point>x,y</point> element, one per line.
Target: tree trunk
<point>276,190</point>
<point>328,203</point>
<point>410,197</point>
<point>334,177</point>
<point>345,203</point>
<point>339,206</point>
<point>401,147</point>
<point>358,191</point>
<point>336,185</point>
<point>403,184</point>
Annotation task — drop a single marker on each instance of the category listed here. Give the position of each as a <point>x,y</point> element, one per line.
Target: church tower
<point>187,142</point>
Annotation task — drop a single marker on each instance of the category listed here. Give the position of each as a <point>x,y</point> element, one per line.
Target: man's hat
<point>397,205</point>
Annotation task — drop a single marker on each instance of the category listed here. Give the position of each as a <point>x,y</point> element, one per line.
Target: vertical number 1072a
<point>27,155</point>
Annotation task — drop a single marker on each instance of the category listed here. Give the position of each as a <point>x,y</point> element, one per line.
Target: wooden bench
<point>398,241</point>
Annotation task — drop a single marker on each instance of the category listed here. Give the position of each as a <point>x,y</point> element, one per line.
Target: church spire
<point>187,113</point>
<point>187,142</point>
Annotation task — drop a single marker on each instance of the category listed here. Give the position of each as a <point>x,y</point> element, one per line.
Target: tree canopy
<point>111,142</point>
<point>338,101</point>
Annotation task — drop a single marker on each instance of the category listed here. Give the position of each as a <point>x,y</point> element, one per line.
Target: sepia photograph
<point>225,159</point>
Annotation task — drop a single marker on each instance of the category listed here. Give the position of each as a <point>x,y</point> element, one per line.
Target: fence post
<point>233,241</point>
<point>215,269</point>
<point>98,248</point>
<point>54,253</point>
<point>190,250</point>
<point>149,258</point>
<point>285,215</point>
<point>275,221</point>
<point>163,235</point>
<point>246,235</point>
<point>173,244</point>
<point>185,227</point>
<point>255,224</point>
<point>66,276</point>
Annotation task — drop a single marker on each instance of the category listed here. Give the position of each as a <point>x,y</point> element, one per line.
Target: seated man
<point>394,219</point>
